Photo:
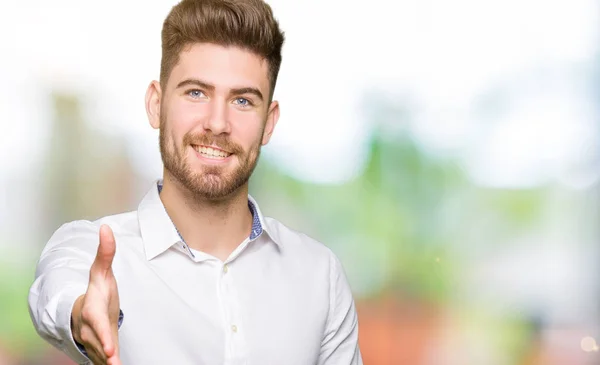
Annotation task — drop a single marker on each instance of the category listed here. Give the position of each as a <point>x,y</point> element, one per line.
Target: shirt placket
<point>235,347</point>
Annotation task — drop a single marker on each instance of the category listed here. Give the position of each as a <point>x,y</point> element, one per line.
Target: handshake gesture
<point>95,315</point>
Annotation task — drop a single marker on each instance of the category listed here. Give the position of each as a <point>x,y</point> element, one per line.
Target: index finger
<point>114,360</point>
<point>101,327</point>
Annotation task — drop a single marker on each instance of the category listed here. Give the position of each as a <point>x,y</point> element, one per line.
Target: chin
<point>211,187</point>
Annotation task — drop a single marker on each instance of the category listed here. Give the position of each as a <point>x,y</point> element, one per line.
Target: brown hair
<point>248,24</point>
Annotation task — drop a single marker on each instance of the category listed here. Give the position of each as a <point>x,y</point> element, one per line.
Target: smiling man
<point>197,275</point>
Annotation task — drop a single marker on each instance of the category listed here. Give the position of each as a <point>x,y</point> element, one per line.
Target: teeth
<point>211,152</point>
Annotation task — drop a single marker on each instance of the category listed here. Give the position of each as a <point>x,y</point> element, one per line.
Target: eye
<point>196,94</point>
<point>243,102</point>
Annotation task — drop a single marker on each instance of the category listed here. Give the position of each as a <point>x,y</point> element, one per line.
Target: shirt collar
<point>257,226</point>
<point>159,233</point>
<point>260,224</point>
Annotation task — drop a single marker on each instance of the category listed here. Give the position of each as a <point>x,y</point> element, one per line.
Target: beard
<point>211,183</point>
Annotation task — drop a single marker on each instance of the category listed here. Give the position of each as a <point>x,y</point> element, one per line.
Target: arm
<point>67,273</point>
<point>61,277</point>
<point>340,343</point>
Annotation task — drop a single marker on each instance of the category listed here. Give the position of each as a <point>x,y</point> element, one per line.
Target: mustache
<point>210,139</point>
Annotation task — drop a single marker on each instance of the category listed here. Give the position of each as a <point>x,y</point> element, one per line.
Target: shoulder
<point>302,251</point>
<point>298,244</point>
<point>121,224</point>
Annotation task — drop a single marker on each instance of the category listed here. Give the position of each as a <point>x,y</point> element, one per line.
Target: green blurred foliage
<point>16,331</point>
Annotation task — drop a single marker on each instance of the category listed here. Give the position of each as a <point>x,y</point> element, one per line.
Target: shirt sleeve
<point>61,276</point>
<point>340,343</point>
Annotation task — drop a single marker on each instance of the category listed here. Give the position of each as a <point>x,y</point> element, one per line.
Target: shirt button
<point>225,269</point>
<point>234,328</point>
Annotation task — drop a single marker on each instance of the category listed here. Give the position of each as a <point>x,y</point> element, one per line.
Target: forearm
<point>51,301</point>
<point>76,318</point>
<point>62,276</point>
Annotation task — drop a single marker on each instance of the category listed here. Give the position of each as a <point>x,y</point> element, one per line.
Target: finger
<point>115,342</point>
<point>102,329</point>
<point>106,251</point>
<point>96,358</point>
<point>114,360</point>
<point>109,348</point>
<point>92,344</point>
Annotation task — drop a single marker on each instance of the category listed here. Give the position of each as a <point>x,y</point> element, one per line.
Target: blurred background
<point>447,151</point>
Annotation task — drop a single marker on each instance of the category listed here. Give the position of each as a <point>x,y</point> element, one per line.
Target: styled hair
<point>247,24</point>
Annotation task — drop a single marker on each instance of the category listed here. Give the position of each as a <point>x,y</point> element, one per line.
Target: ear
<point>153,99</point>
<point>272,118</point>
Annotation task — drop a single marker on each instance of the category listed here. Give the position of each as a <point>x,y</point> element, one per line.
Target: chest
<point>182,312</point>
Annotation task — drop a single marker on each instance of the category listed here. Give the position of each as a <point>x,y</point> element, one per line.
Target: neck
<point>213,227</point>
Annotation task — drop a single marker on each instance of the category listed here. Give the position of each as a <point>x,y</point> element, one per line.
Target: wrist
<point>76,317</point>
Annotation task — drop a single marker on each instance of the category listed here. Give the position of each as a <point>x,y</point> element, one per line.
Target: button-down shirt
<point>279,298</point>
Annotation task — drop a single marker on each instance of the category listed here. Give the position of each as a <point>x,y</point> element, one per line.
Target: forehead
<point>224,67</point>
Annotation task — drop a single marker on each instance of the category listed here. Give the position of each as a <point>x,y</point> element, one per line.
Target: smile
<point>211,153</point>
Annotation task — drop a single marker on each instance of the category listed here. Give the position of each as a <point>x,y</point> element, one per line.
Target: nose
<point>218,119</point>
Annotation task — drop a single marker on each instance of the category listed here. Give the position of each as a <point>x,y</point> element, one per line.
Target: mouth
<point>211,153</point>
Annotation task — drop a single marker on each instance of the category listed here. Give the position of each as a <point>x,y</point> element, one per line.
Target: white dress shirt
<point>281,298</point>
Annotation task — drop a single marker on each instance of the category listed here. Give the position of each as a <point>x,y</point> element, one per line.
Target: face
<point>214,115</point>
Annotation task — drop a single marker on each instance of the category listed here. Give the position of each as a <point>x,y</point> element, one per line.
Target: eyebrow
<point>247,90</point>
<point>196,82</point>
<point>210,87</point>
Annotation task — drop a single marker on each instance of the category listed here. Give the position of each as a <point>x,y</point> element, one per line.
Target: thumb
<point>106,251</point>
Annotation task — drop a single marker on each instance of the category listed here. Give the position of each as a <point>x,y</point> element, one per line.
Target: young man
<point>197,275</point>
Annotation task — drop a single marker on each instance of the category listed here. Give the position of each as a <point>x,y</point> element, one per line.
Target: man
<point>197,275</point>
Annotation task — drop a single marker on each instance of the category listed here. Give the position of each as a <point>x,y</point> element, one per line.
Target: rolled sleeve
<point>63,325</point>
<point>62,276</point>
